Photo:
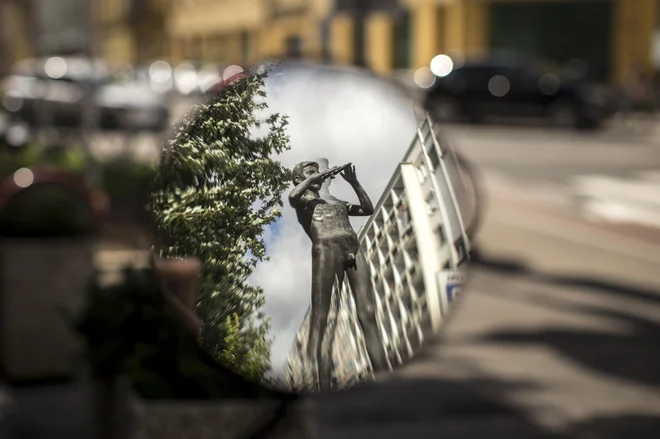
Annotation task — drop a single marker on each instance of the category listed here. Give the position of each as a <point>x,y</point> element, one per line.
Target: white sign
<point>450,283</point>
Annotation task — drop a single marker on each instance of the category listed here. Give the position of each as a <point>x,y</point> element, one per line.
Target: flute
<point>335,172</point>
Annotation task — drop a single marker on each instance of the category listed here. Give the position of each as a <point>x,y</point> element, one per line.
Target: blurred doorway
<point>293,47</point>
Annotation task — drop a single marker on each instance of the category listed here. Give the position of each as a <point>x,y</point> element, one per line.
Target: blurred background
<point>554,101</point>
<point>111,76</point>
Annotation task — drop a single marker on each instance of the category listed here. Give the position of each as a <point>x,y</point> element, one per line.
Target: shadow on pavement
<point>425,408</point>
<point>632,356</point>
<point>456,409</point>
<point>476,407</point>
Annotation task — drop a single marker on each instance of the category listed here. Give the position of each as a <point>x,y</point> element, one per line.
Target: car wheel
<point>445,110</point>
<point>563,114</point>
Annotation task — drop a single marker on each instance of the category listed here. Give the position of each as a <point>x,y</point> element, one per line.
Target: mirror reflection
<point>332,221</point>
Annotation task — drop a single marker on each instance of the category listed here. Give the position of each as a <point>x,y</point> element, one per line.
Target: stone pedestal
<point>42,289</point>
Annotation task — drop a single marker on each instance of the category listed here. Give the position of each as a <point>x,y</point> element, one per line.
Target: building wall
<point>214,30</point>
<point>217,31</point>
<point>446,26</point>
<point>632,30</point>
<point>131,31</point>
<point>15,34</point>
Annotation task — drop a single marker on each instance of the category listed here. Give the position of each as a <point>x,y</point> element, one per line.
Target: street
<point>557,331</point>
<point>554,338</point>
<point>569,170</point>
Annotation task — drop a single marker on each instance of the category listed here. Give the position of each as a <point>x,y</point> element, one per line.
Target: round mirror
<point>332,220</point>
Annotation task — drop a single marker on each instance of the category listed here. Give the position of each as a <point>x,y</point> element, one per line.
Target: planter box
<point>42,284</point>
<point>121,413</point>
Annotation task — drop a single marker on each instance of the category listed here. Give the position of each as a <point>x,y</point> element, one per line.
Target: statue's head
<point>303,170</point>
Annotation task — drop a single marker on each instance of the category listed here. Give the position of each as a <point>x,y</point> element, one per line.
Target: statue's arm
<point>365,208</point>
<point>295,196</point>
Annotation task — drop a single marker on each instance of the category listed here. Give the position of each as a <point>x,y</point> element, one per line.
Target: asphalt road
<point>552,155</point>
<point>555,336</point>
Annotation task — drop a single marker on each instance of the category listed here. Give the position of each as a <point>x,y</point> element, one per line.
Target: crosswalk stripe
<point>630,200</point>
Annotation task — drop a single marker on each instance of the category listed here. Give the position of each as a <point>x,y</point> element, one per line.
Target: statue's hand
<point>349,175</point>
<point>320,177</point>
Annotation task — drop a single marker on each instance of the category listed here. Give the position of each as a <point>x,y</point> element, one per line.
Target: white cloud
<point>345,117</point>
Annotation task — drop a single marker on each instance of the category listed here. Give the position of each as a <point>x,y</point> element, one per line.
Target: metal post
<point>360,12</point>
<point>89,123</point>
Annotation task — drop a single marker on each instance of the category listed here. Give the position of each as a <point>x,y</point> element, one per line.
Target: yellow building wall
<point>341,39</point>
<point>379,40</point>
<point>424,27</point>
<point>476,28</point>
<point>633,27</point>
<point>117,47</point>
<point>13,25</point>
<point>277,32</point>
<point>202,17</point>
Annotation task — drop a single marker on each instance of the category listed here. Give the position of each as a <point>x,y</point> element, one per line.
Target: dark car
<point>517,88</point>
<point>41,91</point>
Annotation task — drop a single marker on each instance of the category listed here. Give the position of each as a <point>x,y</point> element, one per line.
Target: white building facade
<point>417,249</point>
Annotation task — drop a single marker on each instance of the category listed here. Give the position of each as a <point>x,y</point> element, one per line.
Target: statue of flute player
<point>335,253</point>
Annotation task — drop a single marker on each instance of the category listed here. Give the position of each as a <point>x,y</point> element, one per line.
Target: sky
<point>344,117</point>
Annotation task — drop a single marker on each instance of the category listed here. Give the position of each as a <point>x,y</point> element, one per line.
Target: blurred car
<point>518,88</point>
<point>53,90</point>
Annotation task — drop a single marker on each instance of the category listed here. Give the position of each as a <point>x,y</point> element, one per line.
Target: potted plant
<point>48,222</point>
<point>152,378</point>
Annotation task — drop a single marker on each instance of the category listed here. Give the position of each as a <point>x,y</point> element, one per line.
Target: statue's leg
<point>325,262</point>
<point>365,303</point>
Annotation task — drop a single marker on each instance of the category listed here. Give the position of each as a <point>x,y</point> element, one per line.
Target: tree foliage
<point>216,189</point>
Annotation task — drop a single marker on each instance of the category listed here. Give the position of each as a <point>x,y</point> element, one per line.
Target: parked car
<point>54,92</point>
<point>520,88</point>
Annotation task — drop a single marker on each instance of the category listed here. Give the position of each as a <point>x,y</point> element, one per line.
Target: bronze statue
<point>335,253</point>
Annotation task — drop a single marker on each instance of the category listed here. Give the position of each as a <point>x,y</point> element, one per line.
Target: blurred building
<point>16,32</point>
<point>61,28</point>
<point>612,37</point>
<point>247,31</point>
<point>216,31</point>
<point>417,249</point>
<point>30,28</point>
<point>131,31</point>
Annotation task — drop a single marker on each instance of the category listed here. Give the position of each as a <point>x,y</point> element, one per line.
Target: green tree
<point>215,190</point>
